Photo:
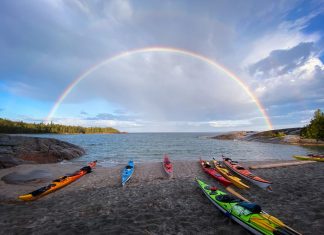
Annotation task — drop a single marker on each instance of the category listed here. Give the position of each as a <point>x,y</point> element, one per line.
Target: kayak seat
<point>254,208</point>
<point>60,179</point>
<point>42,190</point>
<point>227,198</point>
<point>86,168</point>
<point>129,167</point>
<point>240,168</point>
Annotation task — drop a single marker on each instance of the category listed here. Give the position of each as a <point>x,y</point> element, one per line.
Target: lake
<point>111,150</point>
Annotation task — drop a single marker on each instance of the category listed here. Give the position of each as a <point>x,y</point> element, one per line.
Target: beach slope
<point>151,203</point>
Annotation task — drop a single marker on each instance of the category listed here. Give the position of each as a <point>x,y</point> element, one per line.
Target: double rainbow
<point>205,59</point>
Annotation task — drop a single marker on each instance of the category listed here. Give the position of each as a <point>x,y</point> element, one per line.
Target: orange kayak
<point>58,183</point>
<point>246,174</point>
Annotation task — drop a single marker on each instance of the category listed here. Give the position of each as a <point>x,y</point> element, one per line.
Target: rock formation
<point>15,150</point>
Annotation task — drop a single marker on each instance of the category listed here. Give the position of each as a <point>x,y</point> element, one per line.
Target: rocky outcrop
<point>15,150</point>
<point>35,176</point>
<point>235,135</point>
<point>279,136</point>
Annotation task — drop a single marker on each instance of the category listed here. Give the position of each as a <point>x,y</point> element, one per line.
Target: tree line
<point>314,130</point>
<point>12,127</point>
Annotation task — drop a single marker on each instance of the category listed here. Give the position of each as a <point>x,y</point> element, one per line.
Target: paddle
<point>262,223</point>
<point>263,214</point>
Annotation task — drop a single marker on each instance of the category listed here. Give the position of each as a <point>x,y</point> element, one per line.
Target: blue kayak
<point>127,172</point>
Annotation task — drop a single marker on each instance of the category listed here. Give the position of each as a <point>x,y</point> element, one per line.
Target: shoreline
<point>151,203</point>
<point>271,137</point>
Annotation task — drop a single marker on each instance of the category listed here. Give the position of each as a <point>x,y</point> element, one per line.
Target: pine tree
<point>315,130</point>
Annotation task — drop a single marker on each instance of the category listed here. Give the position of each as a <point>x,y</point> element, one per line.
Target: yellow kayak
<point>319,158</point>
<point>228,175</point>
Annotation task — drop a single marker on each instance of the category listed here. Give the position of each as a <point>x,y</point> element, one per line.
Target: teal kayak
<point>127,172</point>
<point>247,214</point>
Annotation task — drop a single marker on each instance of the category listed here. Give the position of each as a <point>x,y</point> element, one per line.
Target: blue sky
<point>274,47</point>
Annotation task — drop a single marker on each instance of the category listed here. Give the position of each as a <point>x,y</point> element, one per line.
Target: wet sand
<point>151,203</point>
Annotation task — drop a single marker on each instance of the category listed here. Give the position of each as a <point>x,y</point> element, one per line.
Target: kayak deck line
<point>275,165</point>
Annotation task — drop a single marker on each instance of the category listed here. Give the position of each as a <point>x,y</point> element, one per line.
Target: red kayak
<point>213,173</point>
<point>167,165</point>
<point>246,174</point>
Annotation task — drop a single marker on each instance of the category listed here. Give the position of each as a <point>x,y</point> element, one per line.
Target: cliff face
<point>15,150</point>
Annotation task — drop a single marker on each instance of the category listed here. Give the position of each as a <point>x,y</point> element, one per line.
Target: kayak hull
<point>127,172</point>
<point>57,184</point>
<point>309,158</point>
<point>213,173</point>
<point>256,222</point>
<point>244,173</point>
<point>167,166</point>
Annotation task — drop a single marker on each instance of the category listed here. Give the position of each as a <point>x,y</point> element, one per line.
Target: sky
<point>244,62</point>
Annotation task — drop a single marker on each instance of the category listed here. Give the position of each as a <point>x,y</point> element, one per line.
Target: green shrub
<point>315,130</point>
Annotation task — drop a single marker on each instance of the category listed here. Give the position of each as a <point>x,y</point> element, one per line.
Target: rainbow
<point>205,59</point>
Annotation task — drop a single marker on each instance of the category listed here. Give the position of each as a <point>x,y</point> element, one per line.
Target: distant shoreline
<point>108,133</point>
<point>289,136</point>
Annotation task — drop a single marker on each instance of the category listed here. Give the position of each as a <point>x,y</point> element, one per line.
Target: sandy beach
<point>151,203</point>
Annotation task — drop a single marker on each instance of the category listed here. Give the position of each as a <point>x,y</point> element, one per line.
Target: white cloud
<point>167,87</point>
<point>304,82</point>
<point>230,123</point>
<point>287,35</point>
<point>121,125</point>
<point>72,35</point>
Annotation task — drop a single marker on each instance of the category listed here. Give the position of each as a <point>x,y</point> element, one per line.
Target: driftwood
<point>283,164</point>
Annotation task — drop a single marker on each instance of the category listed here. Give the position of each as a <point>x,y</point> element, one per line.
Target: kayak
<point>127,172</point>
<point>58,183</point>
<point>248,215</point>
<point>167,165</point>
<point>310,157</point>
<point>228,175</point>
<point>213,173</point>
<point>246,174</point>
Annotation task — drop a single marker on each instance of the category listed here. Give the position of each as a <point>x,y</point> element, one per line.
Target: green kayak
<point>247,214</point>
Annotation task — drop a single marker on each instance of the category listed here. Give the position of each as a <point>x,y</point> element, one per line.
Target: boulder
<point>15,150</point>
<point>29,177</point>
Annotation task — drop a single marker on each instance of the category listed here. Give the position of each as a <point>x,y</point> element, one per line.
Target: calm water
<point>110,150</point>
